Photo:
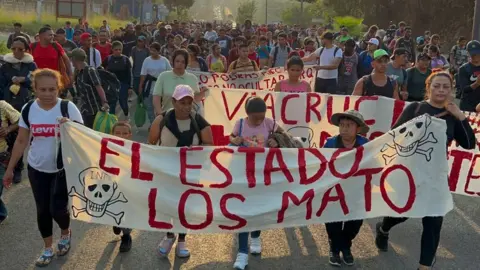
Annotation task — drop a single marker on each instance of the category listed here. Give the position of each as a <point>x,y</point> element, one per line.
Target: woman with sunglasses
<point>15,85</point>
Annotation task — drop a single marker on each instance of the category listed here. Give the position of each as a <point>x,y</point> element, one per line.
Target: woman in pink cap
<point>179,127</point>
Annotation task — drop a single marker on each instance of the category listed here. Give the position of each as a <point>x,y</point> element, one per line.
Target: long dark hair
<point>180,52</point>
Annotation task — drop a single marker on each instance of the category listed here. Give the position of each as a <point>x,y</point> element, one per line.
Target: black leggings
<point>51,198</point>
<point>341,234</point>
<point>432,227</point>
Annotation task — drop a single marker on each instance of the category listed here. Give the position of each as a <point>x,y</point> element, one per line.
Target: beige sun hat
<point>354,115</point>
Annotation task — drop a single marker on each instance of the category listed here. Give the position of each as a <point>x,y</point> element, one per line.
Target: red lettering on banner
<point>284,108</point>
<point>215,77</point>
<point>398,106</point>
<point>289,196</point>
<point>230,116</point>
<point>136,173</point>
<point>267,82</point>
<point>411,192</point>
<point>355,165</point>
<point>362,99</point>
<point>313,107</point>
<point>181,210</point>
<point>152,212</point>
<point>302,167</point>
<point>184,166</point>
<point>367,188</point>
<point>270,104</point>
<point>223,207</point>
<point>346,105</point>
<point>250,163</point>
<point>375,135</point>
<point>275,153</point>
<point>327,198</point>
<point>458,157</point>
<point>471,176</point>
<point>203,79</point>
<point>220,167</point>
<point>104,151</point>
<point>323,137</point>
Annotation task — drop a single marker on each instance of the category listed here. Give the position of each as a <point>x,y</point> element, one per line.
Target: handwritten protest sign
<point>224,189</point>
<point>261,80</point>
<point>308,116</point>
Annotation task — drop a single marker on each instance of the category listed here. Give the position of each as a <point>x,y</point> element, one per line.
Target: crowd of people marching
<point>100,68</point>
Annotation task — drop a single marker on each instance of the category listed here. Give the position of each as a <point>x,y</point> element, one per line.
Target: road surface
<point>96,247</point>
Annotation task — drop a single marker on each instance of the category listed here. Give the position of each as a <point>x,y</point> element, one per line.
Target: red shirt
<point>253,56</point>
<point>47,57</point>
<point>232,55</point>
<point>105,50</point>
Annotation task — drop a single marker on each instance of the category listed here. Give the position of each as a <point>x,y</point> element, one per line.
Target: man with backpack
<point>329,58</point>
<point>48,53</point>
<point>279,54</point>
<point>396,71</point>
<point>94,58</point>
<point>92,97</point>
<point>243,63</point>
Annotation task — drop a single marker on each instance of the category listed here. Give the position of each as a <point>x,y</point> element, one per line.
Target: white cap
<point>374,41</point>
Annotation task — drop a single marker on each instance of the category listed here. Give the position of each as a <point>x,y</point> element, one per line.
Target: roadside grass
<point>31,26</point>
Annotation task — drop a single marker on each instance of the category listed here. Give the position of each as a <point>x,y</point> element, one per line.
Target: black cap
<point>60,31</point>
<point>327,35</point>
<point>423,56</point>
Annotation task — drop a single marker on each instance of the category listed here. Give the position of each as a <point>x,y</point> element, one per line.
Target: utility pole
<point>301,12</point>
<point>476,21</point>
<point>266,11</point>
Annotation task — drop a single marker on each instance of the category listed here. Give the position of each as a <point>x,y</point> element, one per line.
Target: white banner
<point>260,80</point>
<point>308,116</point>
<point>224,189</point>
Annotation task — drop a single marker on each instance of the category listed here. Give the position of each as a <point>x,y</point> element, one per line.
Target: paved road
<point>96,247</point>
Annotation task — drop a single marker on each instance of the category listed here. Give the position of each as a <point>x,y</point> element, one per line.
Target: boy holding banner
<point>341,234</point>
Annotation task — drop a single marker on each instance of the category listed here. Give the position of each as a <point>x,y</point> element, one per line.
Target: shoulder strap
<point>26,112</point>
<point>64,108</point>
<point>405,75</point>
<point>275,52</point>
<point>253,63</point>
<point>365,81</point>
<point>240,127</point>
<point>335,51</point>
<point>235,64</point>
<point>34,46</point>
<point>320,54</point>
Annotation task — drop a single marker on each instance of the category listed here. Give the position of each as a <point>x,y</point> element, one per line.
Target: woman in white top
<point>152,67</point>
<point>40,120</point>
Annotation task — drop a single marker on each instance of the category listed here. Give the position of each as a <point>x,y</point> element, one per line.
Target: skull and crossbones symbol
<point>98,192</point>
<point>406,142</point>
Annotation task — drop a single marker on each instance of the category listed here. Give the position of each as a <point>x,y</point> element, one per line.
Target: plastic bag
<point>140,113</point>
<point>104,122</point>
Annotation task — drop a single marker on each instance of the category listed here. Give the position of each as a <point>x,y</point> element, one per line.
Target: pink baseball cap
<point>182,91</point>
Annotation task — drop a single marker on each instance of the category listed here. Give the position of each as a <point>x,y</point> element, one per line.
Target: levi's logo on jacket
<point>43,130</point>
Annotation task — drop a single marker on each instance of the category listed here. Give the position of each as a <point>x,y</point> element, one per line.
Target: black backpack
<point>165,122</point>
<point>110,84</point>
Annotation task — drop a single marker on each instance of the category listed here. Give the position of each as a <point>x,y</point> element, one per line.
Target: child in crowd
<point>294,84</point>
<point>123,130</point>
<point>263,52</point>
<point>216,61</point>
<point>252,131</point>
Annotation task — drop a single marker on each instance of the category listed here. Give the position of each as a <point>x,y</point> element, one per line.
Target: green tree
<point>178,4</point>
<point>293,15</point>
<point>246,11</point>
<point>354,25</point>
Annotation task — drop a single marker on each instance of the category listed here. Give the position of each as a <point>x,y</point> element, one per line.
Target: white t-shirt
<point>43,124</point>
<point>327,58</point>
<point>154,67</point>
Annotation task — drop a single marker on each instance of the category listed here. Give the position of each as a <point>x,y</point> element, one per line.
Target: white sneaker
<point>255,245</point>
<point>241,262</point>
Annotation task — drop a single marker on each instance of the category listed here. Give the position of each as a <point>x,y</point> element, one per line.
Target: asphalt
<point>96,247</point>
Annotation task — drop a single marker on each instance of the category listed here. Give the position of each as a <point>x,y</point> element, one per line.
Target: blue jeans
<point>243,241</point>
<point>148,102</point>
<point>3,208</point>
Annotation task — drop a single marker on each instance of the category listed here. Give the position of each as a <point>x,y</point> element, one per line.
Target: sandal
<point>63,246</point>
<point>166,245</point>
<point>45,258</point>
